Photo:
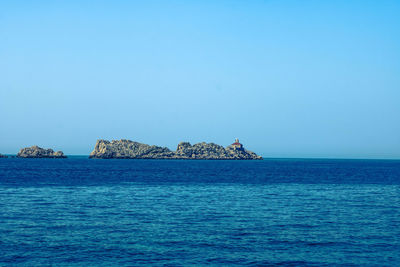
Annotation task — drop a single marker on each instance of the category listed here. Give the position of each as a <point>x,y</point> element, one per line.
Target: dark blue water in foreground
<point>133,212</point>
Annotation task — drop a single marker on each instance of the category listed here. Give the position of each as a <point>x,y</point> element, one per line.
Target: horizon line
<point>265,158</point>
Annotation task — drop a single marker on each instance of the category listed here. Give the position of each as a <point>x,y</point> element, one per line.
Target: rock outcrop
<point>3,156</point>
<point>38,152</point>
<point>126,149</point>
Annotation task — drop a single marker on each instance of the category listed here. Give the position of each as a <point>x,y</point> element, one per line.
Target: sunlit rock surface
<point>38,152</point>
<point>126,149</point>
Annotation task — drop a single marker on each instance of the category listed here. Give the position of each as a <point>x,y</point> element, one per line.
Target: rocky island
<point>126,149</point>
<point>38,152</point>
<point>3,156</point>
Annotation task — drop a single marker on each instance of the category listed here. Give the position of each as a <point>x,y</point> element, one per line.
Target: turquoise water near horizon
<point>288,212</point>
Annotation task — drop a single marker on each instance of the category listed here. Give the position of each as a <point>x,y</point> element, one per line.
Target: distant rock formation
<point>38,152</point>
<point>3,156</point>
<point>126,149</point>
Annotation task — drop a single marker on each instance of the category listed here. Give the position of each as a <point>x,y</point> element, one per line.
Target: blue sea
<point>275,212</point>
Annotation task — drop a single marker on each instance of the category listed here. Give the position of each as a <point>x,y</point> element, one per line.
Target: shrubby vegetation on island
<point>126,149</point>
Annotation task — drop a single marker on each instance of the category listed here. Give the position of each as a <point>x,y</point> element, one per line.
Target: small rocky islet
<point>3,156</point>
<point>127,149</point>
<point>38,152</point>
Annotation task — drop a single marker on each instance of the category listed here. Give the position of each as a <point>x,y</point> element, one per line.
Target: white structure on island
<point>237,144</point>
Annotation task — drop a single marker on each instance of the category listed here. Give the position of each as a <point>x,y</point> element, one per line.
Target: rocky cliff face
<point>38,152</point>
<point>3,156</point>
<point>126,149</point>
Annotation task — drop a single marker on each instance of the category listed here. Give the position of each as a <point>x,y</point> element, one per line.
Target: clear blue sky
<point>289,78</point>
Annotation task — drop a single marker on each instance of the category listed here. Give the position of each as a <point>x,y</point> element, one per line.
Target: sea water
<point>78,211</point>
